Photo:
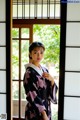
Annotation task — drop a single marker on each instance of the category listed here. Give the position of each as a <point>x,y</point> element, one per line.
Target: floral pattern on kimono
<point>39,93</point>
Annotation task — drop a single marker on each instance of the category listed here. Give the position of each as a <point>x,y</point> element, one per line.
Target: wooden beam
<point>36,21</point>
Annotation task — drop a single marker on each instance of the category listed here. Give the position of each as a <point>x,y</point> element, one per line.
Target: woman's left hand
<point>49,77</point>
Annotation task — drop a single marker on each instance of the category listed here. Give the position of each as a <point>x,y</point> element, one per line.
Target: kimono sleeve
<point>31,91</point>
<point>52,93</point>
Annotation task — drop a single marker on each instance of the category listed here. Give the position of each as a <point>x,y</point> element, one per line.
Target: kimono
<point>39,93</point>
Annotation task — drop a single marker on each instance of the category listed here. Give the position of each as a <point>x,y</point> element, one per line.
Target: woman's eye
<point>38,52</point>
<point>34,52</point>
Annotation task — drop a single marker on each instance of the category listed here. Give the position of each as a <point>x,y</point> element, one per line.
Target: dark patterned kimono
<point>39,93</point>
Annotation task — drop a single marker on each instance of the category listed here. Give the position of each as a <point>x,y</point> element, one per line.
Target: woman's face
<point>37,54</point>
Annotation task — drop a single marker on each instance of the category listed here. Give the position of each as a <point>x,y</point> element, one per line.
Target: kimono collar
<point>39,70</point>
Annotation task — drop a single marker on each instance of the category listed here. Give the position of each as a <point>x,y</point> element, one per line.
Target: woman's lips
<point>38,58</point>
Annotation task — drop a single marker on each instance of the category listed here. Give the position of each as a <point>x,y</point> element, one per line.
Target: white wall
<point>72,63</point>
<point>2,57</point>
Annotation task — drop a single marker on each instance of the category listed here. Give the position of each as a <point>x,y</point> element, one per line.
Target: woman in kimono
<point>40,87</point>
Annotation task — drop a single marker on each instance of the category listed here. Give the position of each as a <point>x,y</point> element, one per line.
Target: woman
<point>39,86</point>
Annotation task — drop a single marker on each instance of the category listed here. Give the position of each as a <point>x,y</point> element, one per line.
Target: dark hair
<point>34,45</point>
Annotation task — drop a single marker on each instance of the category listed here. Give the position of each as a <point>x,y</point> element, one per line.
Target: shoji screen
<point>72,63</point>
<point>5,60</point>
<point>2,58</point>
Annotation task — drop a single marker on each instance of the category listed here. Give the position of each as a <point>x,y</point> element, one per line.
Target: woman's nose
<point>38,54</point>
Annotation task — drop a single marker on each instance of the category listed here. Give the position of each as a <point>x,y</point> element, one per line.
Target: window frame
<point>21,24</point>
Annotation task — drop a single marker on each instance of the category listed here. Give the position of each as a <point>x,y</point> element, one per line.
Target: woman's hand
<point>45,117</point>
<point>49,77</point>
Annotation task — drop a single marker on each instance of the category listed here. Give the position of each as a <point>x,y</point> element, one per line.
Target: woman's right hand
<point>45,117</point>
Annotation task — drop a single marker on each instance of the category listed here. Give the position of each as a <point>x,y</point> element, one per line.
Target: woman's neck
<point>36,64</point>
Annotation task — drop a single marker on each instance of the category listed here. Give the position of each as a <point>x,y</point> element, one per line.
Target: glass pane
<point>39,11</point>
<point>3,58</point>
<point>2,104</point>
<point>2,34</point>
<point>24,55</point>
<point>19,10</point>
<point>45,10</point>
<point>58,1</point>
<point>51,10</point>
<point>55,1</point>
<point>32,10</point>
<point>15,11</point>
<point>2,10</point>
<point>3,81</point>
<point>15,32</point>
<point>15,59</point>
<point>57,10</point>
<point>25,33</point>
<point>23,101</point>
<point>27,11</point>
<point>15,98</point>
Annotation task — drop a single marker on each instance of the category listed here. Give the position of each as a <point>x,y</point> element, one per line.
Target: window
<point>20,43</point>
<point>36,9</point>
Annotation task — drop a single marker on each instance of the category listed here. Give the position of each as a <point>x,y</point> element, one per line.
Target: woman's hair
<point>34,45</point>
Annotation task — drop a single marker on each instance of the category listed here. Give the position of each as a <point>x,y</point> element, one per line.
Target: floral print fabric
<point>39,93</point>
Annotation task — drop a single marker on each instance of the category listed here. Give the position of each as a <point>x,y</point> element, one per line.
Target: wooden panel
<point>36,21</point>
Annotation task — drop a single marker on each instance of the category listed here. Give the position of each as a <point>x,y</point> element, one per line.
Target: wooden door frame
<point>8,55</point>
<point>22,24</point>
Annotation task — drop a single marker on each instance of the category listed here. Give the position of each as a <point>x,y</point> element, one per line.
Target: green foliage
<point>49,35</point>
<point>15,33</point>
<point>55,116</point>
